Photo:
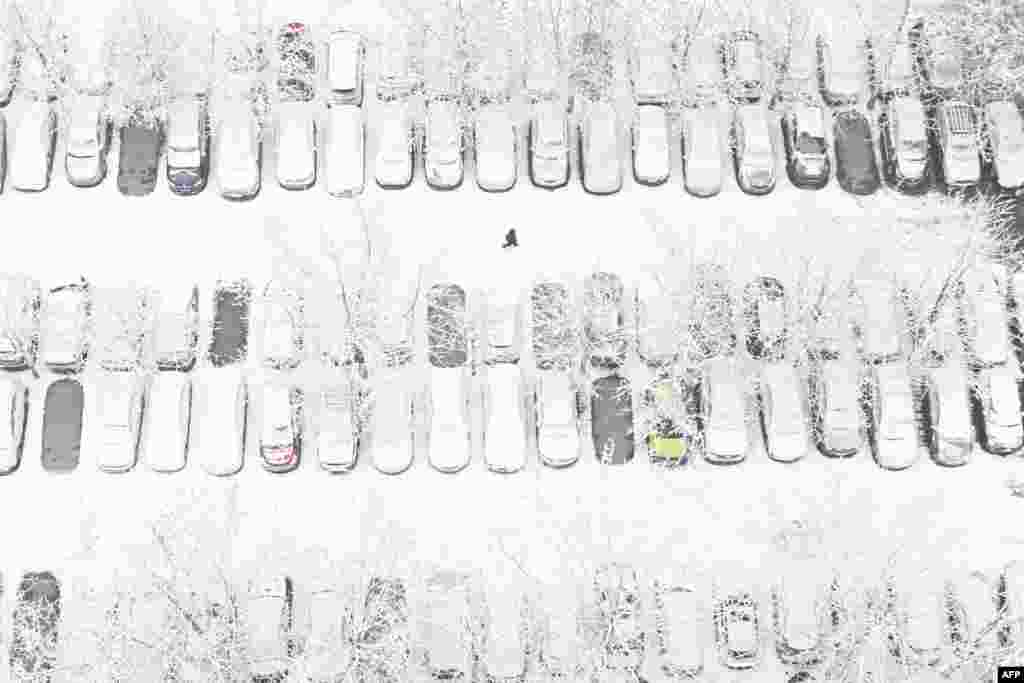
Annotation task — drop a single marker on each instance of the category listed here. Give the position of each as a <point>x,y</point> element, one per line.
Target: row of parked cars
<point>837,101</point>
<point>656,630</point>
<point>549,376</point>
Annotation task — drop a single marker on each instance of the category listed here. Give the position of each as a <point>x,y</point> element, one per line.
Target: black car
<point>856,166</point>
<point>803,135</point>
<point>139,159</point>
<point>230,339</point>
<point>33,653</point>
<point>62,425</point>
<point>907,164</point>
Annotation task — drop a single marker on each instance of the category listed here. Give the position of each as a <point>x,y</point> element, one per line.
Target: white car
<point>14,399</point>
<point>121,318</point>
<point>326,653</point>
<point>892,423</point>
<point>281,427</point>
<point>115,403</point>
<point>1005,125</point>
<point>65,335</point>
<point>496,141</point>
<point>269,615</point>
<point>450,439</point>
<point>85,161</point>
<point>652,151</point>
<point>3,150</point>
<point>176,332</point>
<point>680,635</point>
<point>702,152</point>
<point>600,170</point>
<point>346,57</point>
<point>33,146</point>
<point>238,157</point>
<point>167,422</point>
<point>188,142</point>
<point>754,153</point>
<point>557,417</point>
<point>220,411</point>
<point>338,436</point>
<point>21,300</point>
<point>345,151</point>
<point>784,412</point>
<point>443,144</point>
<point>296,146</point>
<point>395,162</point>
<point>443,629</point>
<point>549,145</point>
<point>505,649</point>
<point>396,411</point>
<point>958,140</point>
<point>725,405</point>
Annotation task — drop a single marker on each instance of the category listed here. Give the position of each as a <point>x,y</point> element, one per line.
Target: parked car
<point>339,437</point>
<point>443,143</point>
<point>139,159</point>
<point>238,160</point>
<point>62,425</point>
<point>345,151</point>
<point>116,402</point>
<point>395,163</point>
<point>229,340</point>
<point>605,310</point>
<point>702,152</point>
<point>188,145</point>
<point>22,300</point>
<point>803,135</point>
<point>856,167</point>
<point>297,64</point>
<point>220,419</point>
<point>35,138</point>
<point>10,67</point>
<point>65,334</point>
<point>620,610</point>
<point>35,627</point>
<point>834,383</point>
<point>703,73</point>
<point>496,139</point>
<point>1005,126</point>
<point>283,326</point>
<point>167,422</point>
<point>611,418</point>
<point>742,65</point>
<point>176,333</point>
<point>85,161</point>
<point>598,141</point>
<point>282,429</point>
<point>503,435</point>
<point>443,627</point>
<point>451,384</point>
<point>3,150</point>
<point>548,142</point>
<point>652,160</point>
<point>737,630</point>
<point>896,76</point>
<point>753,152</point>
<point>327,625</point>
<point>842,67</point>
<point>14,397</point>
<point>393,417</point>
<point>906,161</point>
<point>679,637</point>
<point>940,58</point>
<point>505,640</point>
<point>121,320</point>
<point>270,617</point>
<point>346,58</point>
<point>296,146</point>
<point>958,144</point>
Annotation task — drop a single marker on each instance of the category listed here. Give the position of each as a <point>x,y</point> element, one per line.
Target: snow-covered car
<point>548,142</point>
<point>737,631</point>
<point>325,655</point>
<point>65,333</point>
<point>753,152</point>
<point>702,152</point>
<point>605,311</point>
<point>556,410</point>
<point>652,150</point>
<point>220,415</point>
<point>503,433</point>
<point>282,322</point>
<point>395,162</point>
<point>598,148</point>
<point>724,405</point>
<point>167,420</point>
<point>386,615</point>
<point>35,627</point>
<point>803,135</point>
<point>393,422</point>
<point>229,338</point>
<point>35,137</point>
<point>10,66</point>
<point>443,143</point>
<point>121,318</point>
<point>269,614</point>
<point>188,145</point>
<point>834,390</point>
<point>797,78</point>
<point>611,419</point>
<point>940,57</point>
<point>346,58</point>
<point>906,162</point>
<point>443,628</point>
<point>296,146</point>
<point>958,144</point>
<point>85,159</point>
<point>139,158</point>
<point>22,300</point>
<point>619,608</point>
<point>896,75</point>
<point>504,648</point>
<point>297,67</point>
<point>339,437</point>
<point>176,332</point>
<point>496,147</point>
<point>14,399</point>
<point>1005,125</point>
<point>679,637</point>
<point>842,67</point>
<point>742,65</point>
<point>62,425</point>
<point>856,166</point>
<point>282,427</point>
<point>345,151</point>
<point>115,403</point>
<point>238,158</point>
<point>451,382</point>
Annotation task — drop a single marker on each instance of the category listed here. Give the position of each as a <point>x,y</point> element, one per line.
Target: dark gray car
<point>62,425</point>
<point>230,338</point>
<point>33,652</point>
<point>611,410</point>
<point>856,166</point>
<point>446,336</point>
<point>139,159</point>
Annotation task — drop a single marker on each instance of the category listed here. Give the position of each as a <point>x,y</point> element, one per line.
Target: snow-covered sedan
<point>906,162</point>
<point>22,301</point>
<point>1005,125</point>
<point>958,144</point>
<point>652,151</point>
<point>281,429</point>
<point>449,408</point>
<point>65,327</point>
<point>115,404</point>
<point>702,152</point>
<point>85,160</point>
<point>598,148</point>
<point>176,331</point>
<point>345,151</point>
<point>167,422</point>
<point>395,162</point>
<point>282,323</point>
<point>14,399</point>
<point>548,143</point>
<point>188,145</point>
<point>35,137</point>
<point>238,159</point>
<point>443,143</point>
<point>754,153</point>
<point>496,147</point>
<point>296,146</point>
<point>269,613</point>
<point>346,57</point>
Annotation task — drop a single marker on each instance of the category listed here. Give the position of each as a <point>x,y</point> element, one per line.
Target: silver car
<point>35,138</point>
<point>65,329</point>
<point>1005,125</point>
<point>21,300</point>
<point>652,151</point>
<point>188,145</point>
<point>239,154</point>
<point>296,146</point>
<point>14,399</point>
<point>598,140</point>
<point>496,147</point>
<point>395,161</point>
<point>345,151</point>
<point>549,144</point>
<point>346,57</point>
<point>702,152</point>
<point>754,153</point>
<point>85,161</point>
<point>167,422</point>
<point>115,402</point>
<point>958,142</point>
<point>443,143</point>
<point>339,430</point>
